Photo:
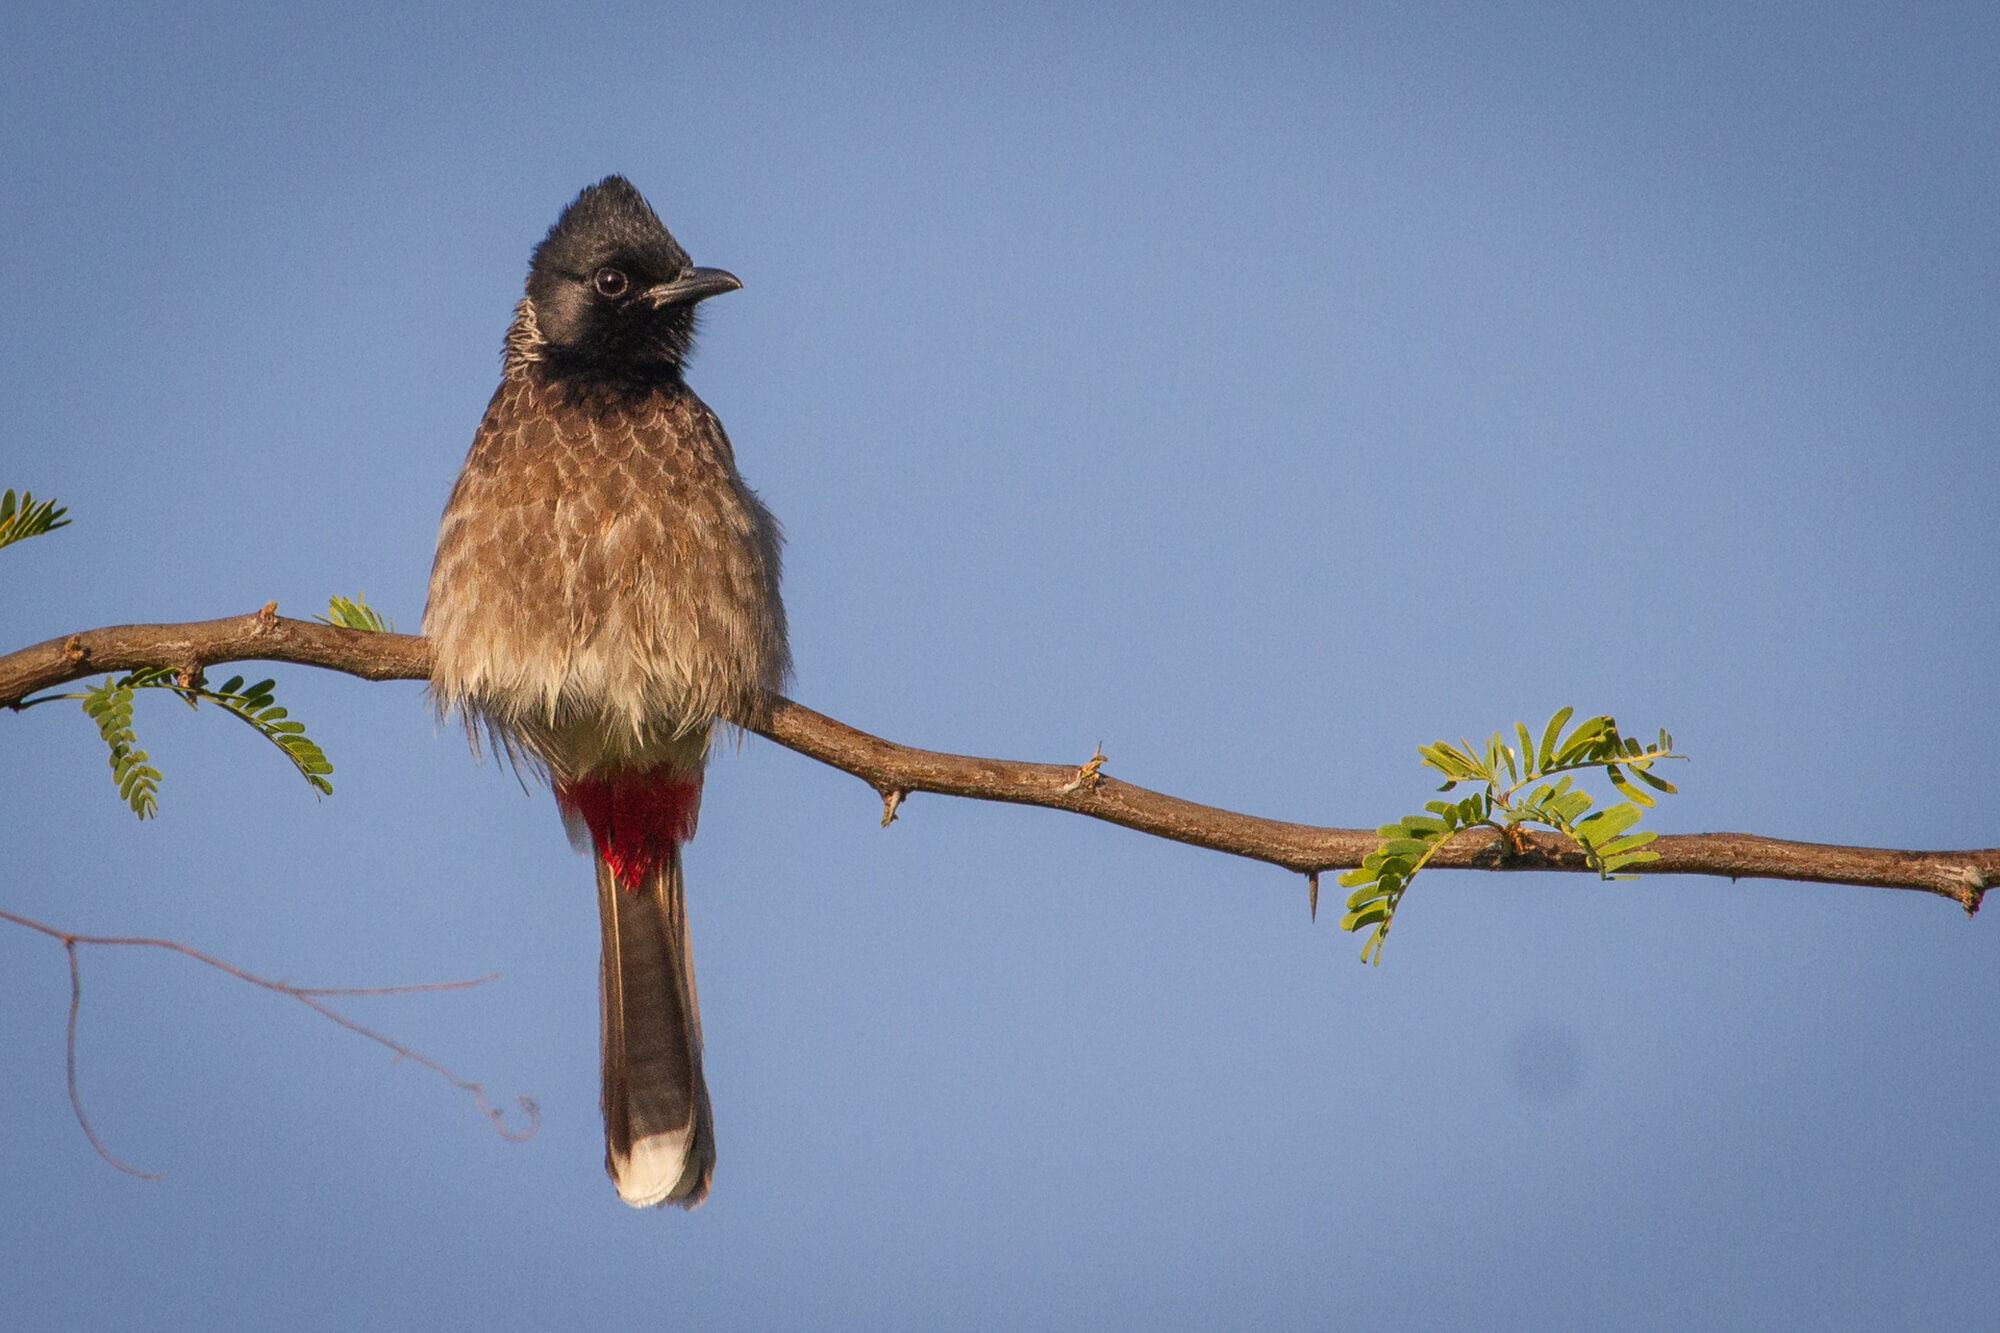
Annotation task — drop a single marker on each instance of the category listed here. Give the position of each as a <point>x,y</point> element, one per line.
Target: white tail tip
<point>654,1168</point>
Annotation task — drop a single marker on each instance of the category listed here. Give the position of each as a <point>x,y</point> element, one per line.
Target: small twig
<point>69,1058</point>
<point>303,994</point>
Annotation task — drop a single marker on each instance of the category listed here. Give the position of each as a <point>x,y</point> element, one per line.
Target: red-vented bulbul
<point>606,588</point>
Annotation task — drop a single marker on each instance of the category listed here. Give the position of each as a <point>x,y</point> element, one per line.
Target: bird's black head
<point>613,294</point>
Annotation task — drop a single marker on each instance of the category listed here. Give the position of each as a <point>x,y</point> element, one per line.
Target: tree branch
<point>896,771</point>
<point>306,995</point>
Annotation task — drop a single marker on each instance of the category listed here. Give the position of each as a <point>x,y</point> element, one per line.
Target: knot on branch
<point>1974,891</point>
<point>1087,775</point>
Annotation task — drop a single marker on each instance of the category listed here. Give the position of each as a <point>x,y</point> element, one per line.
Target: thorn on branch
<point>1086,776</point>
<point>891,799</point>
<point>1312,893</point>
<point>267,619</point>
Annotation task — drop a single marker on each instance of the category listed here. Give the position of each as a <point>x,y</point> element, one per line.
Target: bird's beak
<point>697,284</point>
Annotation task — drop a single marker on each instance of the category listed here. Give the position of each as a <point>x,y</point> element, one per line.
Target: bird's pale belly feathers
<point>606,585</point>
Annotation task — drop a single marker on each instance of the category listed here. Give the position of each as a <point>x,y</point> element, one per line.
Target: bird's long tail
<point>659,1137</point>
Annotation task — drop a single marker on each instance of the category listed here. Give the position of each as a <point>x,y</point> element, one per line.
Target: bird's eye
<point>610,282</point>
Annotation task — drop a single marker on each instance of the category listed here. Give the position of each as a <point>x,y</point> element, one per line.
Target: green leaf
<point>1449,760</point>
<point>1628,842</point>
<point>1607,823</point>
<point>1568,807</point>
<point>1645,774</point>
<point>355,613</point>
<point>1625,788</point>
<point>1406,846</point>
<point>1550,736</point>
<point>109,705</point>
<point>256,707</point>
<point>24,517</point>
<point>1583,741</point>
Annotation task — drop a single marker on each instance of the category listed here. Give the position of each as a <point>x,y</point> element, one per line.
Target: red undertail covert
<point>635,819</point>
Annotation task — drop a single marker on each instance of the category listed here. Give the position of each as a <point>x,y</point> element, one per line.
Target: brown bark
<point>898,770</point>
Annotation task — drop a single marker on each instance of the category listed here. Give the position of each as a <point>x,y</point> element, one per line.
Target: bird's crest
<point>609,220</point>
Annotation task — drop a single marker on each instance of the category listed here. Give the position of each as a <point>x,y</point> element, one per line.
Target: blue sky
<point>1258,391</point>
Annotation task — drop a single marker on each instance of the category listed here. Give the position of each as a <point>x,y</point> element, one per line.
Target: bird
<point>604,600</point>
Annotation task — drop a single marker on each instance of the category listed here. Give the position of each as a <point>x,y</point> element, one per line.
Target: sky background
<point>1259,391</point>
